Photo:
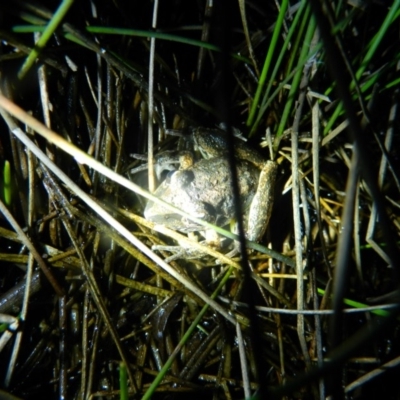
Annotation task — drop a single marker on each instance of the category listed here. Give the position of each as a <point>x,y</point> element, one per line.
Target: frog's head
<point>210,142</point>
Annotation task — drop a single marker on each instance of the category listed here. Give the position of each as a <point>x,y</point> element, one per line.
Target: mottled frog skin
<point>203,188</point>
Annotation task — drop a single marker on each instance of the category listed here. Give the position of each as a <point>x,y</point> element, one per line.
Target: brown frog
<point>204,189</point>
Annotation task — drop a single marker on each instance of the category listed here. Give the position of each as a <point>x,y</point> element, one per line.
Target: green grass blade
<point>123,382</point>
<point>133,32</point>
<point>48,31</point>
<point>376,41</point>
<point>267,62</point>
<point>7,183</point>
<point>297,77</point>
<point>356,304</point>
<point>372,47</point>
<point>267,99</point>
<point>165,369</point>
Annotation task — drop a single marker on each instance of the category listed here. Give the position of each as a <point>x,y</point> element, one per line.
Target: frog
<point>203,189</point>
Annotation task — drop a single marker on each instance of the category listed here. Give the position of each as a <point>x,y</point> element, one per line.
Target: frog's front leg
<point>259,212</point>
<point>186,251</point>
<point>179,252</point>
<point>262,203</point>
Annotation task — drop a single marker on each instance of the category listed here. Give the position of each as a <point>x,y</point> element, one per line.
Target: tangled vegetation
<point>94,95</point>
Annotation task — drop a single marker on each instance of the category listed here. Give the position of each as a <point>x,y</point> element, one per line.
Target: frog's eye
<point>181,179</point>
<point>168,177</point>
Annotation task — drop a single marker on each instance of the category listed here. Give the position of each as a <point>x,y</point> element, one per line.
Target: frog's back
<point>212,184</point>
<point>203,191</point>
